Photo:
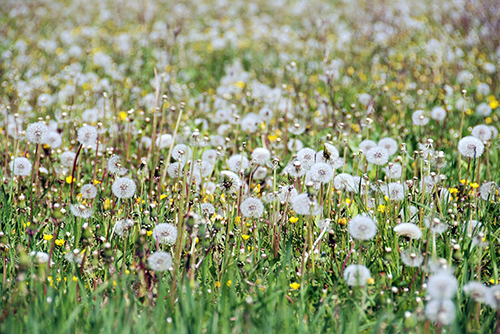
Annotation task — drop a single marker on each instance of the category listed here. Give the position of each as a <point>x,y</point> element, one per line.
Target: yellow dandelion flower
<point>294,285</point>
<point>48,237</point>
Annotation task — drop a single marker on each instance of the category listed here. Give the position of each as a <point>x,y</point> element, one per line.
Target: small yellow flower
<point>97,182</point>
<point>240,84</point>
<point>342,221</point>
<point>162,196</point>
<point>293,220</point>
<point>107,204</point>
<point>123,115</point>
<point>237,219</point>
<point>217,284</point>
<point>488,120</point>
<point>474,185</point>
<point>59,242</point>
<point>453,191</point>
<point>370,281</point>
<point>229,283</point>
<point>48,237</point>
<point>381,208</point>
<point>127,271</point>
<point>69,179</point>
<point>294,285</point>
<point>75,278</point>
<point>245,236</point>
<point>150,233</point>
<point>348,201</point>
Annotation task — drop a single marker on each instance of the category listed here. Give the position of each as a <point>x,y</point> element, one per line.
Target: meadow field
<point>217,166</point>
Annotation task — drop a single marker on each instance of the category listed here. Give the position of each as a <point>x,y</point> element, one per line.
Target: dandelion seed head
<point>21,166</point>
<point>389,144</point>
<point>419,118</point>
<point>165,234</point>
<point>356,275</point>
<point>441,311</point>
<point>408,230</point>
<point>470,147</point>
<point>237,162</point>
<point>362,227</point>
<point>321,172</point>
<point>160,261</point>
<point>87,135</point>
<point>88,191</point>
<point>377,156</point>
<point>252,207</point>
<point>123,187</point>
<point>482,132</point>
<point>36,133</point>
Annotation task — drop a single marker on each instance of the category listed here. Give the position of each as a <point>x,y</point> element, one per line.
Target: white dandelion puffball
<point>67,158</point>
<point>164,141</point>
<point>364,98</point>
<point>122,227</point>
<point>210,156</point>
<point>494,297</point>
<point>408,230</point>
<point>260,173</point>
<point>470,147</point>
<point>40,257</point>
<point>261,155</point>
<point>287,193</point>
<point>81,211</point>
<point>331,152</point>
<point>230,182</point>
<point>377,156</point>
<point>419,118</point>
<point>477,291</point>
<point>389,144</point>
<point>123,187</point>
<point>87,135</point>
<point>304,205</point>
<point>165,234</point>
<point>356,275</point>
<point>252,207</point>
<point>366,145</point>
<point>487,190</point>
<point>412,258</point>
<point>160,261</point>
<point>53,139</point>
<point>362,228</point>
<point>207,209</point>
<point>21,166</point>
<point>442,285</point>
<point>88,191</point>
<point>438,114</point>
<point>237,162</point>
<point>441,311</point>
<point>182,153</point>
<point>36,133</point>
<point>174,169</point>
<point>483,109</point>
<point>343,181</point>
<point>321,172</point>
<point>482,132</point>
<point>394,191</point>
<point>307,157</point>
<point>115,167</point>
<point>393,171</point>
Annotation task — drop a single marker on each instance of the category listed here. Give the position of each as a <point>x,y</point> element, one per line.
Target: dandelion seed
<point>470,147</point>
<point>356,275</point>
<point>210,156</point>
<point>40,257</point>
<point>21,166</point>
<point>164,141</point>
<point>252,207</point>
<point>160,261</point>
<point>165,233</point>
<point>182,153</point>
<point>362,227</point>
<point>123,187</point>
